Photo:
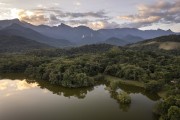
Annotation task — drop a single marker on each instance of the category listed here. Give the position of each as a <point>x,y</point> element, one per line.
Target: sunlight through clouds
<point>97,25</point>
<point>77,3</point>
<point>15,12</point>
<point>97,14</point>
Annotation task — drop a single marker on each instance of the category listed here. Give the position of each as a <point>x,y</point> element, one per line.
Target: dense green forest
<point>158,71</point>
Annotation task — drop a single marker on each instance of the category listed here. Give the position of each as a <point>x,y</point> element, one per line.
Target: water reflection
<point>43,101</point>
<point>9,87</point>
<point>131,89</point>
<point>66,92</point>
<point>114,89</point>
<point>122,107</point>
<point>79,93</point>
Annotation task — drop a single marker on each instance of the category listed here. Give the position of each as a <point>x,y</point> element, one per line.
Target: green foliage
<point>169,108</point>
<point>124,98</point>
<point>153,86</point>
<point>113,52</point>
<point>174,113</point>
<point>85,66</point>
<point>94,60</point>
<point>74,80</point>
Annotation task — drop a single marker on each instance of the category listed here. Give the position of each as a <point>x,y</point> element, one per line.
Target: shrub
<point>124,98</point>
<point>153,86</point>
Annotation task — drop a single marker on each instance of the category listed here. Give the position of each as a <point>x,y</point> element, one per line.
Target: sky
<point>96,14</point>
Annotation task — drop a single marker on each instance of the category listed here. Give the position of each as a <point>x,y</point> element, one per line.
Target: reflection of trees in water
<point>81,92</point>
<point>66,92</point>
<point>122,107</point>
<point>55,89</point>
<point>12,76</point>
<point>132,89</point>
<point>113,89</point>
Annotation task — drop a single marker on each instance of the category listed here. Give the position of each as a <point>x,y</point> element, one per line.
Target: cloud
<point>3,4</point>
<point>4,11</point>
<point>77,3</point>
<point>103,24</point>
<point>33,17</point>
<point>160,12</point>
<point>54,16</point>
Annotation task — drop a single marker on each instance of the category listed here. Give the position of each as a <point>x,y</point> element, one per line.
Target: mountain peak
<point>16,20</point>
<point>64,26</point>
<point>6,23</point>
<point>159,29</point>
<point>84,28</point>
<point>169,30</point>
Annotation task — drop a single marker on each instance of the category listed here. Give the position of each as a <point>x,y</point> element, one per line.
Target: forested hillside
<point>15,44</point>
<point>171,42</point>
<point>157,70</point>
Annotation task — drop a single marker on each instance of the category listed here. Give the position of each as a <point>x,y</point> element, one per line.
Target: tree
<point>132,72</point>
<point>153,86</point>
<point>113,52</point>
<point>174,113</point>
<point>124,98</point>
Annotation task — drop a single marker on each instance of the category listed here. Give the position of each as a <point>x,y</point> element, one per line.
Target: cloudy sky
<point>97,14</point>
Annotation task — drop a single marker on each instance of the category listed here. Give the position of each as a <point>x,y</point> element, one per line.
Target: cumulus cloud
<point>53,16</point>
<point>103,24</point>
<point>160,12</point>
<point>33,17</point>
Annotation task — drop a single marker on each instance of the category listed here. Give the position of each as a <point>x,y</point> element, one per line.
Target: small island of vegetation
<point>124,98</point>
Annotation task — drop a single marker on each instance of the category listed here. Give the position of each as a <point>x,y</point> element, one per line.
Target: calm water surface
<point>21,99</point>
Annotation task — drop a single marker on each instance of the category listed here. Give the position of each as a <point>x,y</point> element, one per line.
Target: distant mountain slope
<point>123,41</point>
<point>171,42</point>
<point>123,32</point>
<point>132,39</point>
<point>84,35</point>
<point>18,30</point>
<point>116,41</point>
<point>19,44</point>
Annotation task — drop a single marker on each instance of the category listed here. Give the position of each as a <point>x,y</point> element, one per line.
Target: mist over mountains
<point>64,35</point>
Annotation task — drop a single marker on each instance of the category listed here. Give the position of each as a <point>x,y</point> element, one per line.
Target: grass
<point>161,93</point>
<point>125,82</point>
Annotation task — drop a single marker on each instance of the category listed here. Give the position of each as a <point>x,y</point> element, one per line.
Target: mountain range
<point>65,36</point>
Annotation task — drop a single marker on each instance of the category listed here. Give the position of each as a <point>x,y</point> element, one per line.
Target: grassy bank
<point>125,82</point>
<point>161,93</point>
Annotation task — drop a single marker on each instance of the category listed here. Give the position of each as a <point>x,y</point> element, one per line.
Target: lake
<point>22,99</point>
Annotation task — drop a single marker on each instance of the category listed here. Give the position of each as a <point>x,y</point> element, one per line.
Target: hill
<point>171,42</point>
<point>116,41</point>
<point>123,41</point>
<point>86,49</point>
<point>19,44</point>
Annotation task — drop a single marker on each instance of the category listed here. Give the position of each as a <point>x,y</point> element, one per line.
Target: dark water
<point>21,99</point>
